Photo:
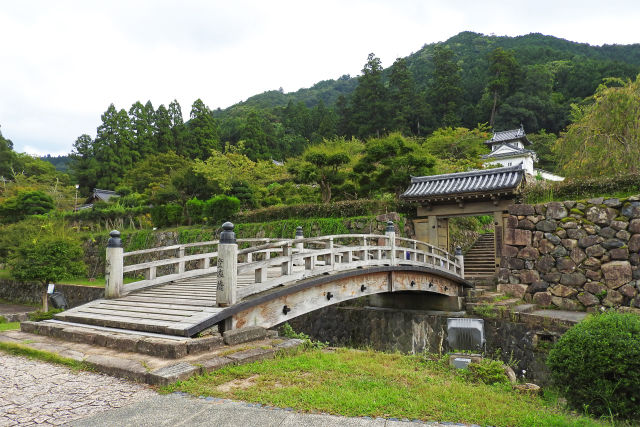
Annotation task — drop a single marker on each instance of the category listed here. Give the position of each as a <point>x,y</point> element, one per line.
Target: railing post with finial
<point>460,259</point>
<point>113,274</point>
<point>226,290</point>
<point>299,235</point>
<point>390,232</point>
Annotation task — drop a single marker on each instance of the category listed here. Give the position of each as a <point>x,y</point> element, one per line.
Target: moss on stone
<point>568,219</point>
<point>576,211</point>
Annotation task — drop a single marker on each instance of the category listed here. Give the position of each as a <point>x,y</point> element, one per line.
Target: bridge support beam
<point>113,274</point>
<point>226,291</point>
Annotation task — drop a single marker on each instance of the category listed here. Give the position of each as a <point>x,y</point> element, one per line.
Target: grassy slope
<point>367,383</point>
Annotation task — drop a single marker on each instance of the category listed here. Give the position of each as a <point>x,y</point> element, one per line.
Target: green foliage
<point>287,331</point>
<point>487,371</point>
<point>597,365</point>
<point>582,188</point>
<point>604,137</point>
<point>220,208</point>
<point>343,209</point>
<point>47,259</point>
<point>23,204</point>
<point>194,211</point>
<point>37,316</point>
<point>388,164</point>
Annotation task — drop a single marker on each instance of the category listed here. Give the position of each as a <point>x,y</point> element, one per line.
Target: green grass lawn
<point>368,383</point>
<point>83,281</point>
<point>9,326</point>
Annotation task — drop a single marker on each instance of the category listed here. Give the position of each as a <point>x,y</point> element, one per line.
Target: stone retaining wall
<point>31,293</point>
<point>524,342</point>
<point>574,255</point>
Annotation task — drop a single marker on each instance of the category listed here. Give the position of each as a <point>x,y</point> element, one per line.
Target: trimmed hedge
<point>597,365</point>
<point>343,209</point>
<point>581,188</point>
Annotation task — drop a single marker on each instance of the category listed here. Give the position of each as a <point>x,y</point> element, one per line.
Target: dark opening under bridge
<point>260,282</point>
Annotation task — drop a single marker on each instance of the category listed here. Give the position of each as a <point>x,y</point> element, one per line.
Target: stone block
<point>526,224</point>
<point>573,279</point>
<point>569,304</point>
<point>514,263</point>
<point>512,221</point>
<point>542,299</point>
<point>634,226</point>
<point>204,344</point>
<point>521,210</point>
<point>619,254</point>
<point>528,252</point>
<point>503,275</point>
<point>634,259</point>
<point>591,229</point>
<point>622,225</point>
<point>288,345</point>
<point>529,276</point>
<point>601,216</point>
<point>612,244</point>
<point>252,355</point>
<point>607,232</point>
<point>29,327</point>
<point>628,291</point>
<point>587,299</point>
<point>122,342</point>
<point>613,298</point>
<point>545,246</point>
<point>559,251</point>
<point>569,244</point>
<point>215,363</point>
<point>596,201</point>
<point>516,237</point>
<point>118,367</point>
<point>569,225</point>
<point>591,263</point>
<point>242,335</point>
<point>537,286</point>
<point>631,210</point>
<point>553,238</point>
<point>509,251</point>
<point>576,233</point>
<point>170,374</point>
<point>563,291</point>
<point>593,275</point>
<point>565,265</point>
<point>612,203</point>
<point>545,263</point>
<point>577,255</point>
<point>553,277</point>
<point>556,210</point>
<point>561,233</point>
<point>547,225</point>
<point>163,348</point>
<point>634,243</point>
<point>516,290</point>
<point>569,204</point>
<point>616,273</point>
<point>588,241</point>
<point>595,251</point>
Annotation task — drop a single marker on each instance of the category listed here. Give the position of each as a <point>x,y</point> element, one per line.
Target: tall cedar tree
<point>504,70</point>
<point>445,91</point>
<point>203,132</point>
<point>369,103</point>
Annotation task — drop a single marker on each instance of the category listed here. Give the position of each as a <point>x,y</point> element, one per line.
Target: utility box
<point>58,300</point>
<point>465,334</point>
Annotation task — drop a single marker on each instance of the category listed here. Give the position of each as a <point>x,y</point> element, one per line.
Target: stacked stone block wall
<point>574,255</point>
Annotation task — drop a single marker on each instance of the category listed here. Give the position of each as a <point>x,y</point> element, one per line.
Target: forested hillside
<point>351,138</point>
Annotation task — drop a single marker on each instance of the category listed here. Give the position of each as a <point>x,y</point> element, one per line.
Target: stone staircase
<point>480,261</point>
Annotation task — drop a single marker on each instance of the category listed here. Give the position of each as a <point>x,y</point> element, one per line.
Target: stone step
<point>159,345</point>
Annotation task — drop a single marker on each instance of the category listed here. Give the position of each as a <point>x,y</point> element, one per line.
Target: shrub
<point>193,211</point>
<point>597,365</point>
<point>159,216</point>
<point>174,213</point>
<point>221,208</point>
<point>582,188</point>
<point>487,371</point>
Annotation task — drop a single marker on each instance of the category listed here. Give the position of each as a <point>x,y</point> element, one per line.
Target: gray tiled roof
<point>478,181</point>
<point>509,135</point>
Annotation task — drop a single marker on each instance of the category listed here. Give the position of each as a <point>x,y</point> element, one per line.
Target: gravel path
<point>33,392</point>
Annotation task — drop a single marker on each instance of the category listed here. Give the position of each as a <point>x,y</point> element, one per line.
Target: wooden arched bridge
<point>185,289</point>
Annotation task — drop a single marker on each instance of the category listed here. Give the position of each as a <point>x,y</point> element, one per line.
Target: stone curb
<point>164,348</point>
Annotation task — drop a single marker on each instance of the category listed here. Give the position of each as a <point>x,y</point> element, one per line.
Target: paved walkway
<point>34,393</point>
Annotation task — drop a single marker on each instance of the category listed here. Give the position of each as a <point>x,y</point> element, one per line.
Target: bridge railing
<point>268,263</point>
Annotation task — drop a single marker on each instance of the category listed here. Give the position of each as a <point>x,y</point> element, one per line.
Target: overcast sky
<point>63,62</point>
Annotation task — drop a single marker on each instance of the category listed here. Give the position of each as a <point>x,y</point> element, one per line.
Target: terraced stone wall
<point>574,255</point>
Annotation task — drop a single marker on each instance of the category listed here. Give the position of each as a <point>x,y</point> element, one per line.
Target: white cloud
<point>65,62</point>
